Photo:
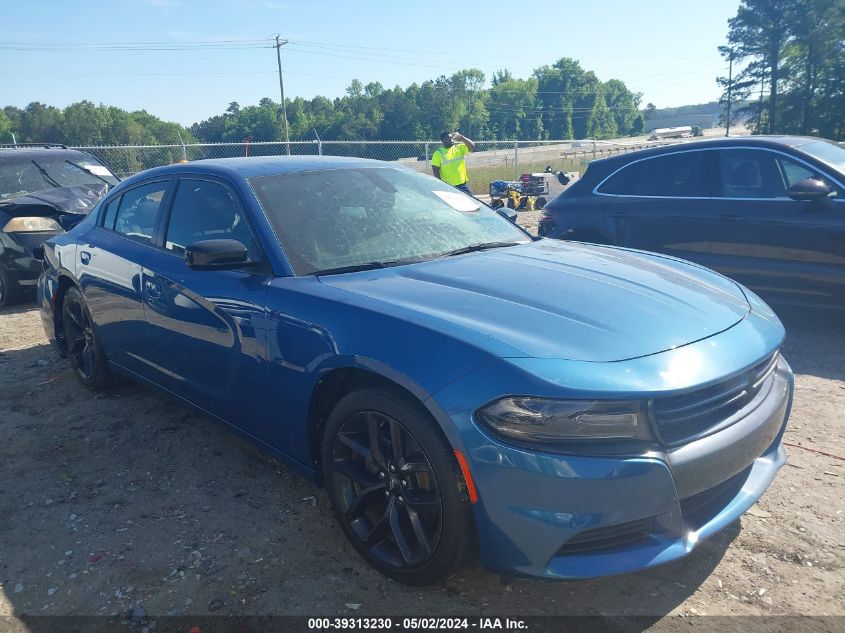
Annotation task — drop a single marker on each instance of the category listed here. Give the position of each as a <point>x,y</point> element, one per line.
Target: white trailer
<point>671,132</point>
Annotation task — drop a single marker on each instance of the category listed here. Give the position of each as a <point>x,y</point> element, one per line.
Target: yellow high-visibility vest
<point>453,170</point>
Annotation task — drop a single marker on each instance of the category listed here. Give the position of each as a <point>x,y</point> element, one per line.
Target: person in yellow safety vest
<point>448,161</point>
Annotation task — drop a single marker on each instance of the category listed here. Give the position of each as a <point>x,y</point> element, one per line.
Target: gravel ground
<point>128,500</point>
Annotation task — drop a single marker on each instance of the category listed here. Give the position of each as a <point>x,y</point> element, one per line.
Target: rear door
<point>110,259</point>
<point>662,204</point>
<point>790,251</point>
<point>205,336</point>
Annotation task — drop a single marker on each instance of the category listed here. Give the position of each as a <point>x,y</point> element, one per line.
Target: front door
<point>205,325</point>
<point>790,251</point>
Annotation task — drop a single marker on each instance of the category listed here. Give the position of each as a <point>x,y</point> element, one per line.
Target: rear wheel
<point>83,347</point>
<point>11,292</point>
<point>396,488</point>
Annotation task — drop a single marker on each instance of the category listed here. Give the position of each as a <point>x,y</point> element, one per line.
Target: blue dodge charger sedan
<point>461,389</point>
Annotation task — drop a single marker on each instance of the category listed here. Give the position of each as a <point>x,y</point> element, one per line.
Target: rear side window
<point>674,175</point>
<point>110,213</point>
<point>138,210</point>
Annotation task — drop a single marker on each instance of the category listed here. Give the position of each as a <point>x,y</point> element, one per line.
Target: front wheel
<point>83,347</point>
<point>396,488</point>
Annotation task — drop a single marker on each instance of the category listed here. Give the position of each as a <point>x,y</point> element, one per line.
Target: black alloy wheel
<point>385,475</point>
<point>83,348</point>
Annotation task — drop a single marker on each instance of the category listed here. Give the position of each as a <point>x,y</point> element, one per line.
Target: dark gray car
<point>766,211</point>
<point>44,191</point>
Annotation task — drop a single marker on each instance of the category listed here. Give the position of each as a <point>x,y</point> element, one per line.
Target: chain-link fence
<point>491,160</point>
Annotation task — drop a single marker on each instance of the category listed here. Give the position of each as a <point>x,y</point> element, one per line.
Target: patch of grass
<point>480,177</point>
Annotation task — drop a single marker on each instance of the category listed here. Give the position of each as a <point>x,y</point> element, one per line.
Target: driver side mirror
<point>216,255</point>
<point>809,189</point>
<point>507,213</point>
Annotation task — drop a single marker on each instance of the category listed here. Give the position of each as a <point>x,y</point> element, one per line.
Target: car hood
<point>563,300</point>
<point>78,199</point>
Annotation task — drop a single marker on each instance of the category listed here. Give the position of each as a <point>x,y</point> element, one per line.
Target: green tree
<point>601,123</point>
<point>759,33</point>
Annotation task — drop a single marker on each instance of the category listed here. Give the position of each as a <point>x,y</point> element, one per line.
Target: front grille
<point>680,418</point>
<point>700,508</point>
<point>607,537</point>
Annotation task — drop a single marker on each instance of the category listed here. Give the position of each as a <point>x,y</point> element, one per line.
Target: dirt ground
<point>129,502</point>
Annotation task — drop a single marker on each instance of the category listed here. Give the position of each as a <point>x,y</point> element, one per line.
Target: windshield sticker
<point>458,201</point>
<point>97,170</point>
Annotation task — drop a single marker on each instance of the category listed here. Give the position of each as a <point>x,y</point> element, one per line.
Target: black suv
<point>44,190</point>
<point>768,211</point>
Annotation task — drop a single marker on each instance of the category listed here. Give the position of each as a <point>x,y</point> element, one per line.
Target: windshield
<point>827,152</point>
<point>345,218</point>
<point>20,175</point>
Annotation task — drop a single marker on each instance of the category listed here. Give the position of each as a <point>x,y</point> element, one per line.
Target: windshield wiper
<point>46,175</point>
<point>88,171</point>
<point>356,267</point>
<point>472,248</point>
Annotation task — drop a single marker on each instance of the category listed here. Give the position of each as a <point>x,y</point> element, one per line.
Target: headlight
<point>541,420</point>
<point>31,225</point>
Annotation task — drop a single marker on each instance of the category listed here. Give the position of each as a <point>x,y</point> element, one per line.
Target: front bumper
<point>574,517</point>
<point>16,255</point>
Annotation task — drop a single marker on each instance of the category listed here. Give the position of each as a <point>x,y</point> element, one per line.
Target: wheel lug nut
<point>392,468</point>
<point>400,498</point>
<point>382,475</point>
<point>386,493</point>
<point>404,483</point>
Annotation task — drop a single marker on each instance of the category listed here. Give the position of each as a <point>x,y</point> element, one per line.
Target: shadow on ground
<point>127,500</point>
<point>815,341</point>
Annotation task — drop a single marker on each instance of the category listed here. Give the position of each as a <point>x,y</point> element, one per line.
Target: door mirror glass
<point>809,189</point>
<point>216,255</point>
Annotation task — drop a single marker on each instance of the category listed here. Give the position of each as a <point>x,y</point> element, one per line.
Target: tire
<point>406,511</point>
<point>510,203</point>
<point>11,292</point>
<point>541,202</point>
<point>83,347</point>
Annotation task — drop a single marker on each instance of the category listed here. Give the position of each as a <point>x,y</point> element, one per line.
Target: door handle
<point>732,218</point>
<point>153,289</point>
<point>84,257</point>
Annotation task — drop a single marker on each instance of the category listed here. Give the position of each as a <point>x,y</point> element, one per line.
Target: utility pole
<point>278,47</point>
<point>730,85</point>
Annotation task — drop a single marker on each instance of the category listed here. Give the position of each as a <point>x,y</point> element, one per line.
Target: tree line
<point>790,56</point>
<point>559,101</point>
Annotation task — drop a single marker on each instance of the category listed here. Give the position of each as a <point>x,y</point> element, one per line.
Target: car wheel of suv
<point>83,348</point>
<point>10,291</point>
<point>396,488</point>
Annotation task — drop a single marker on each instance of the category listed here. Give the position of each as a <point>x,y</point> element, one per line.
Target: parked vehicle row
<point>461,389</point>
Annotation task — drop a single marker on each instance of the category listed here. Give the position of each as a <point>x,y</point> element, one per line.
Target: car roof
<point>261,166</point>
<point>38,150</point>
<point>777,142</point>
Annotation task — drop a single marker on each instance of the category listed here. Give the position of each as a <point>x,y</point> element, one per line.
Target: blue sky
<point>662,48</point>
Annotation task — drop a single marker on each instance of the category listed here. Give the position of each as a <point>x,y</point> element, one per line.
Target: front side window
<point>761,174</point>
<point>204,210</point>
<point>751,173</point>
<point>333,218</point>
<point>138,210</point>
<point>678,175</point>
